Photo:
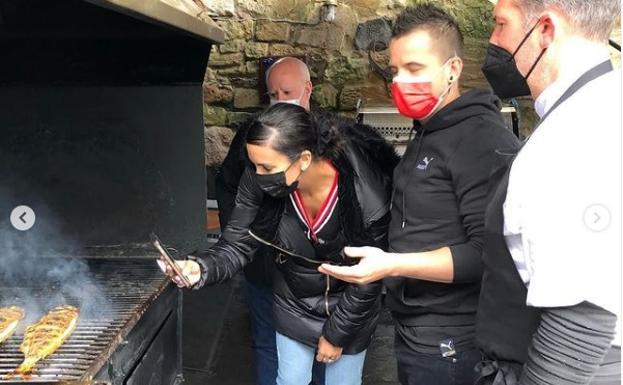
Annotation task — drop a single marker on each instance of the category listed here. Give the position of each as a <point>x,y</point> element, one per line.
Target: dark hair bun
<point>290,130</point>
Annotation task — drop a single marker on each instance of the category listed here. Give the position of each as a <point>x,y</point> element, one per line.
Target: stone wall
<point>335,51</point>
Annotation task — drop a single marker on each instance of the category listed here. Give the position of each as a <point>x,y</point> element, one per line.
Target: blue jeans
<point>260,302</point>
<point>296,361</point>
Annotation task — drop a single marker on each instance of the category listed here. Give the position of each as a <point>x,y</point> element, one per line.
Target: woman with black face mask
<point>315,183</point>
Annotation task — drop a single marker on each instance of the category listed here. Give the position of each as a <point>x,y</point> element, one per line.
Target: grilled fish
<point>9,318</point>
<point>48,334</point>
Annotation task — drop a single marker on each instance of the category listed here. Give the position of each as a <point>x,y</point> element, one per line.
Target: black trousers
<point>416,368</point>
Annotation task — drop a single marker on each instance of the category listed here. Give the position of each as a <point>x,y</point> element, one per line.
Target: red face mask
<point>414,100</point>
<point>414,97</point>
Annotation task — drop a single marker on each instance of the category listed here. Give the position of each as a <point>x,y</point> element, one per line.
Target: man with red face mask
<point>440,188</point>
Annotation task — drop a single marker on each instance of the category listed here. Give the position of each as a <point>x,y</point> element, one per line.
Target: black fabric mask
<point>501,71</point>
<point>275,184</point>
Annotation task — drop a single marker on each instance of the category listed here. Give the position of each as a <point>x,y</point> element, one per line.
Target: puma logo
<point>424,164</point>
<point>446,348</point>
<point>447,345</point>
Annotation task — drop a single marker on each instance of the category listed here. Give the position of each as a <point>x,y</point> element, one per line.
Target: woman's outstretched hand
<point>190,270</point>
<point>374,264</point>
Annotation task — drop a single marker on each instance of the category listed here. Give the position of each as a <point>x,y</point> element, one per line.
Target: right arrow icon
<point>597,218</point>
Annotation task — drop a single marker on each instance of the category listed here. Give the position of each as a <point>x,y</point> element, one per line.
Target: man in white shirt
<point>560,204</point>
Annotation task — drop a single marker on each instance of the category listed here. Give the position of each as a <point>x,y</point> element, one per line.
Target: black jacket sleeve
<point>570,346</point>
<point>360,304</point>
<point>358,307</point>
<point>236,247</point>
<point>470,166</point>
<point>229,175</point>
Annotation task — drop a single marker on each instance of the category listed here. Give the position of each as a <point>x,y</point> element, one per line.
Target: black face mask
<point>501,71</point>
<point>275,184</point>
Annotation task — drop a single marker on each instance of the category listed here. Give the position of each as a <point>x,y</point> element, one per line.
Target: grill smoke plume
<point>39,270</point>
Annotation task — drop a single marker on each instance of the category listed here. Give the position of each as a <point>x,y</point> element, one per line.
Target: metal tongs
<point>168,259</point>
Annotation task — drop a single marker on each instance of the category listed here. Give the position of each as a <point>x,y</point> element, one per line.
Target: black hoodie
<point>440,193</point>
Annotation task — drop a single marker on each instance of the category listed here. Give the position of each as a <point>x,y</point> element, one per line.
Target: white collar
<point>569,73</point>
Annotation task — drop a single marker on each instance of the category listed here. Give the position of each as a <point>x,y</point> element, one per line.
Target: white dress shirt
<point>570,164</point>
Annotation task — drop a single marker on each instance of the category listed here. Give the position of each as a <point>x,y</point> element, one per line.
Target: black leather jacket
<point>309,304</point>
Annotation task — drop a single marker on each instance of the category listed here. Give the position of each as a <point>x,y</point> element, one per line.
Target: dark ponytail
<point>290,130</point>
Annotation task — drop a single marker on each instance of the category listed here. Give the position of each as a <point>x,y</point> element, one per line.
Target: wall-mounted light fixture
<point>327,12</point>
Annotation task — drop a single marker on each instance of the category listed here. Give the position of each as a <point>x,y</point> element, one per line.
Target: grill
<point>101,135</point>
<point>394,127</point>
<point>130,286</point>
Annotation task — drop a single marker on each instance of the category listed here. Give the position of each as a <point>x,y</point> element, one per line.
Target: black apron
<point>505,324</point>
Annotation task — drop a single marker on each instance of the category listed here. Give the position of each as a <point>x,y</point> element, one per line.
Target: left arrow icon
<point>23,218</point>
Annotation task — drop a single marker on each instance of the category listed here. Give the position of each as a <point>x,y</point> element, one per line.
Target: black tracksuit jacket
<point>439,199</point>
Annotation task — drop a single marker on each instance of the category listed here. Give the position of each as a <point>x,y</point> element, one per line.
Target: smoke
<point>39,269</point>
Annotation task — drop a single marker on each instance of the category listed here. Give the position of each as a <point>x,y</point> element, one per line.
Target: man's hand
<point>327,353</point>
<point>375,264</point>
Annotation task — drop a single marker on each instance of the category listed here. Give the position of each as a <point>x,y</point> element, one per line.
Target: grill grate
<point>129,285</point>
